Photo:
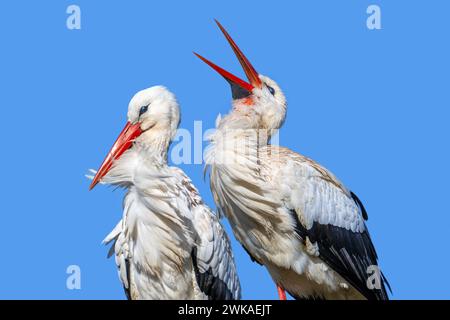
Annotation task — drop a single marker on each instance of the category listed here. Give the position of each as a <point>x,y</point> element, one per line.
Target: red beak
<point>251,73</point>
<point>122,144</point>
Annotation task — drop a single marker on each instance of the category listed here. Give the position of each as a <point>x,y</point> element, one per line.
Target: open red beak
<point>123,143</point>
<point>239,87</point>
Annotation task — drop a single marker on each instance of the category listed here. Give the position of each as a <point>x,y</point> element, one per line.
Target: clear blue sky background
<point>372,106</point>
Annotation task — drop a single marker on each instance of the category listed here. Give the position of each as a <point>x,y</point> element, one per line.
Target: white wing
<point>329,216</point>
<point>120,250</point>
<point>213,259</point>
<point>316,195</point>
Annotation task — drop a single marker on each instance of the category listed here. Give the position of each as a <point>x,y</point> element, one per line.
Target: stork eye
<point>143,110</point>
<point>271,90</point>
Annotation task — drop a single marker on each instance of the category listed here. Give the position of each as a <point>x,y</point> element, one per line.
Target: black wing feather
<point>360,205</point>
<point>127,291</point>
<point>213,287</point>
<point>346,252</point>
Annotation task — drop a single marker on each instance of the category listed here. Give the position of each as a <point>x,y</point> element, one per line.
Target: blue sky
<point>370,105</point>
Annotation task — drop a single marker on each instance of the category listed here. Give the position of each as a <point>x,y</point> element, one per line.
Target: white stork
<point>168,244</point>
<point>289,213</point>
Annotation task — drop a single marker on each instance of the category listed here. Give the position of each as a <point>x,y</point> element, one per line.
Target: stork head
<point>153,118</point>
<point>155,110</point>
<point>260,93</point>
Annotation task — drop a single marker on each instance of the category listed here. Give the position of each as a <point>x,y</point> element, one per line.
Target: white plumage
<point>289,213</point>
<point>168,244</point>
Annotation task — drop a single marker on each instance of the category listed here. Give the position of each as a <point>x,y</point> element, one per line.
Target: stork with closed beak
<point>289,213</point>
<point>168,244</point>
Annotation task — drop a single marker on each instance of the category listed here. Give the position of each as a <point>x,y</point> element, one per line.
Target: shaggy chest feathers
<point>240,178</point>
<point>156,236</point>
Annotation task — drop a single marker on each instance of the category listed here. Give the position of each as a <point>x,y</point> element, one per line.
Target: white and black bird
<point>168,244</point>
<point>290,214</point>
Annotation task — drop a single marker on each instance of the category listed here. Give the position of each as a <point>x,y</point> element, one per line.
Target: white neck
<point>153,144</point>
<point>242,127</point>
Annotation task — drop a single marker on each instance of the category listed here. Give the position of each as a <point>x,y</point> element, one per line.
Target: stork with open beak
<point>289,213</point>
<point>168,244</point>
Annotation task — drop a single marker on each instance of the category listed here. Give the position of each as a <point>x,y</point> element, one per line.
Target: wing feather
<point>328,214</point>
<point>213,259</point>
<point>119,249</point>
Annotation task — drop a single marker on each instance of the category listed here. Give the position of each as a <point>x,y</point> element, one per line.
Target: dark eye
<point>143,110</point>
<point>271,90</point>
